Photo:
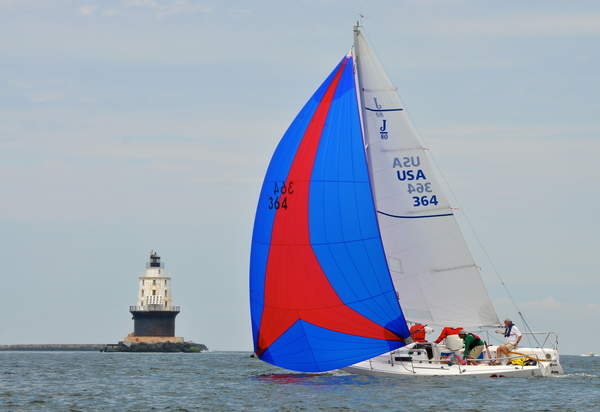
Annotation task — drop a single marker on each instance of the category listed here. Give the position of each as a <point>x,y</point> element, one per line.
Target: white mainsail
<point>434,274</point>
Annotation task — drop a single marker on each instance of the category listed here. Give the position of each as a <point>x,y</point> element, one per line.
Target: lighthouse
<point>154,313</point>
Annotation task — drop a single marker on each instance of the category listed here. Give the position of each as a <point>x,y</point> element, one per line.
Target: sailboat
<point>354,238</point>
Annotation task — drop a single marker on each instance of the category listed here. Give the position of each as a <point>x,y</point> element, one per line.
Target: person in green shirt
<point>474,345</point>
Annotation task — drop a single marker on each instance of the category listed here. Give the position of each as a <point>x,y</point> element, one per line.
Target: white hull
<point>419,365</point>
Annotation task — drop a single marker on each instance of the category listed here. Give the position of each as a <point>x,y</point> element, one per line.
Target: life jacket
<point>417,333</point>
<point>520,361</point>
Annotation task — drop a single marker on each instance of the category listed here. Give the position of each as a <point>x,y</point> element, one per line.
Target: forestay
<point>433,271</point>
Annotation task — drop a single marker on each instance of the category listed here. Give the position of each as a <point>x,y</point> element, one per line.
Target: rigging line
<point>485,252</point>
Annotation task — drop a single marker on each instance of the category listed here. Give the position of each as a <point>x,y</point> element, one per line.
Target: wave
<point>576,375</point>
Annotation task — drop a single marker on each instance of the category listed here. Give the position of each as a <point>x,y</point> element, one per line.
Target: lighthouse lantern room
<point>155,285</point>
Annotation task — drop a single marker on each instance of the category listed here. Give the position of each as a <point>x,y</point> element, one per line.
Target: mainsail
<point>433,271</point>
<point>321,293</point>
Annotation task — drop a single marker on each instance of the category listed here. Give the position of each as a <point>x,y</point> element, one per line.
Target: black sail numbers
<point>281,191</point>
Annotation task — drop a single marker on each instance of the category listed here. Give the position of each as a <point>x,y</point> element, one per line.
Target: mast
<point>359,100</point>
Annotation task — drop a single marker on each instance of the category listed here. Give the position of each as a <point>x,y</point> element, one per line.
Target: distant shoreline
<point>83,347</point>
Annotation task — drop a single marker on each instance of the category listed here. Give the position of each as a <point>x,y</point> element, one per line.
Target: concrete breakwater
<point>187,347</point>
<point>54,347</point>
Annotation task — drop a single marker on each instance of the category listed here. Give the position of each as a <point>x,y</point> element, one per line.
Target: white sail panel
<point>433,271</point>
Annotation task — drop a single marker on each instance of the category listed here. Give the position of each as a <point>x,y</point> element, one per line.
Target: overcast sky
<point>127,125</point>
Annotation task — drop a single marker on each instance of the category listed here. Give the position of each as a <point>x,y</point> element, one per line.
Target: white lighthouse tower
<point>155,286</point>
<point>154,313</point>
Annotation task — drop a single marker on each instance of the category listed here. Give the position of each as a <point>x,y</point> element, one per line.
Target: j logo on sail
<point>383,130</point>
<point>378,107</point>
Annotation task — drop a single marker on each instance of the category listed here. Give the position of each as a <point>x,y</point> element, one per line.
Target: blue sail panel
<point>320,290</point>
<point>295,349</point>
<point>343,223</point>
<point>263,222</point>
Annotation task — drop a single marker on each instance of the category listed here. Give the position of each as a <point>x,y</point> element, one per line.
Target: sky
<point>131,125</point>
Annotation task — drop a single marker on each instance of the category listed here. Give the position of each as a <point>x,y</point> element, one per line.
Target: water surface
<point>232,381</point>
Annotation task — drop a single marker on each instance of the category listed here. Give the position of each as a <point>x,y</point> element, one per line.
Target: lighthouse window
<point>153,292</point>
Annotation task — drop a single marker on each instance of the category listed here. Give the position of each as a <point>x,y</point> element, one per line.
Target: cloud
<point>550,304</point>
<point>110,12</point>
<point>241,11</point>
<point>46,97</point>
<point>20,84</point>
<point>575,24</point>
<point>522,131</point>
<point>87,10</point>
<point>168,8</point>
<point>6,4</point>
<point>33,4</point>
<point>159,8</point>
<point>547,303</point>
<point>593,307</point>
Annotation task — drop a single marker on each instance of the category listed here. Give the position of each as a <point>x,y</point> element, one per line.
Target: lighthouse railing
<point>156,308</point>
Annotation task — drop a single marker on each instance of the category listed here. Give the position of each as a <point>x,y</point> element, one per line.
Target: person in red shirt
<point>418,333</point>
<point>447,332</point>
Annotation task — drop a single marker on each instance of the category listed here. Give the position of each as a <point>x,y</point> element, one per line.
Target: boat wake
<point>319,379</point>
<point>576,375</point>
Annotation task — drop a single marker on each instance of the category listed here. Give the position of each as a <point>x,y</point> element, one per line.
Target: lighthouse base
<point>132,338</point>
<point>149,344</point>
<point>154,322</point>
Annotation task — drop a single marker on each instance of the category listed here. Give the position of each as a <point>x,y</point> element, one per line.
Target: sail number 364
<point>279,199</point>
<point>422,200</point>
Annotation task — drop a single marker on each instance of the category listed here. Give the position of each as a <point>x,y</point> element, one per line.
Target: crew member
<point>447,331</point>
<point>418,333</point>
<point>474,345</point>
<point>512,337</point>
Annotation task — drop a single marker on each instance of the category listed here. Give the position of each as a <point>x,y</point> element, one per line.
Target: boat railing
<point>550,336</point>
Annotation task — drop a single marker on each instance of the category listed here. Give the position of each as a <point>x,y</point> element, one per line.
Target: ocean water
<point>232,381</point>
